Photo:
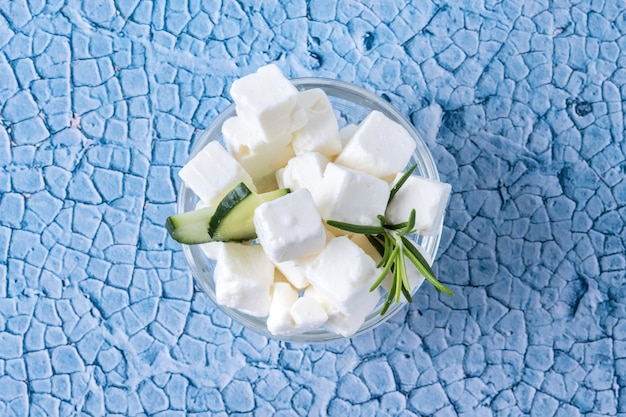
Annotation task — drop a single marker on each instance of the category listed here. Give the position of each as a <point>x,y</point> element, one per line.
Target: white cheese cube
<point>303,171</point>
<point>290,227</point>
<point>321,132</point>
<point>428,197</point>
<point>341,272</point>
<point>368,248</point>
<point>242,139</point>
<point>260,156</point>
<point>308,314</point>
<point>350,196</point>
<point>279,320</point>
<point>346,324</point>
<point>295,270</point>
<point>212,173</point>
<point>330,308</point>
<point>243,276</point>
<point>268,102</point>
<point>380,147</point>
<point>346,132</point>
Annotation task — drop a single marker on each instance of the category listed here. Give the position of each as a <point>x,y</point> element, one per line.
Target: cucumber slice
<point>192,227</point>
<point>232,220</point>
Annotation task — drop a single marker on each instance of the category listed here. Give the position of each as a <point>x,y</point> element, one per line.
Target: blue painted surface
<point>522,104</point>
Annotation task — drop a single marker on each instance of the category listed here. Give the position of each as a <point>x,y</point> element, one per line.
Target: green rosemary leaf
<point>406,287</point>
<point>418,264</point>
<point>422,266</point>
<point>418,255</point>
<point>385,253</point>
<point>396,226</point>
<point>410,224</point>
<point>401,182</point>
<point>386,269</point>
<point>407,294</point>
<point>376,244</point>
<point>399,275</point>
<point>389,298</point>
<point>438,285</point>
<point>375,241</point>
<point>356,228</point>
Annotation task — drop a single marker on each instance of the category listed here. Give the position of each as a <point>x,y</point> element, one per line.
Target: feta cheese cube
<point>279,321</point>
<point>303,171</point>
<point>290,226</point>
<point>341,272</point>
<point>350,196</point>
<point>258,155</point>
<point>367,247</point>
<point>243,276</point>
<point>212,173</point>
<point>325,302</point>
<point>346,132</point>
<point>346,324</point>
<point>308,314</point>
<point>428,197</point>
<point>380,147</point>
<point>321,132</point>
<point>295,270</point>
<point>268,102</point>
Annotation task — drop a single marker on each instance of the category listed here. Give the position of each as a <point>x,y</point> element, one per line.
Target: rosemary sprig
<point>391,242</point>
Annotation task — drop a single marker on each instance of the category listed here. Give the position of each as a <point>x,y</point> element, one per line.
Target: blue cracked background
<point>522,104</point>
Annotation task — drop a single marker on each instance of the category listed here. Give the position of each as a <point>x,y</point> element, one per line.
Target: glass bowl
<point>352,104</point>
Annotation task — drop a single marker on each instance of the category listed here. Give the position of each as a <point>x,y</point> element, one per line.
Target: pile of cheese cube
<point>300,273</point>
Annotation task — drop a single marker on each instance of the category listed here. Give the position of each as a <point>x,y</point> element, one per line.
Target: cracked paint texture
<point>521,103</point>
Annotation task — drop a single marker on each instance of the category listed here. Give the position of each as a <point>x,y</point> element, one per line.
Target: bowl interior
<point>352,104</point>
